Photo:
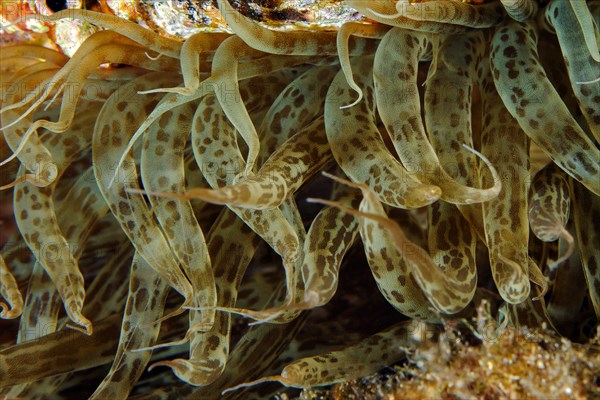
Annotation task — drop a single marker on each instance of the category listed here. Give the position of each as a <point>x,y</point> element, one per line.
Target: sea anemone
<point>447,131</point>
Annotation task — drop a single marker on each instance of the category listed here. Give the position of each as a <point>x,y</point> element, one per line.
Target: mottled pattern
<point>200,172</point>
<point>193,53</point>
<point>296,42</point>
<point>419,280</point>
<point>505,218</point>
<point>549,209</point>
<point>344,34</point>
<point>521,10</point>
<point>214,137</point>
<point>582,65</point>
<point>214,84</point>
<point>231,245</point>
<point>13,306</point>
<point>111,135</point>
<point>145,303</point>
<point>106,298</point>
<point>37,221</point>
<point>587,216</point>
<point>329,238</point>
<point>526,93</point>
<point>43,301</point>
<point>352,362</point>
<point>397,95</point>
<point>385,12</point>
<point>359,149</point>
<point>162,166</point>
<point>451,239</point>
<point>59,352</point>
<point>294,162</point>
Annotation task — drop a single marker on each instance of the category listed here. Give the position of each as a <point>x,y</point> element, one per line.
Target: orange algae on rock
<point>532,364</point>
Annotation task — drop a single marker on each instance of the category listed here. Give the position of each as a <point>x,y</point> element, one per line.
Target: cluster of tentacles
<point>145,195</point>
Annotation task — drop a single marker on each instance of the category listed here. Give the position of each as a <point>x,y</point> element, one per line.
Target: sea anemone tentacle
<point>37,220</point>
<point>581,63</point>
<point>549,209</point>
<point>223,219</point>
<point>586,210</point>
<point>568,146</point>
<point>505,217</point>
<point>397,96</point>
<point>371,163</point>
<point>111,136</point>
<point>12,305</point>
<point>521,10</point>
<point>208,137</point>
<point>35,157</point>
<point>177,218</point>
<point>352,362</point>
<point>145,303</point>
<point>192,52</point>
<point>345,32</point>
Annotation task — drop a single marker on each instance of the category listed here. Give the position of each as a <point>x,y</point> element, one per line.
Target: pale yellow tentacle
<point>526,92</point>
<point>359,150</point>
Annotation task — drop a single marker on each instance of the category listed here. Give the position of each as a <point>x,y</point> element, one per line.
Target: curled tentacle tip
<point>380,15</point>
<point>566,235</point>
<point>497,181</point>
<point>541,295</point>
<point>84,326</point>
<point>246,175</point>
<point>252,383</point>
<point>168,364</point>
<point>7,313</point>
<point>153,58</point>
<point>4,310</point>
<point>355,102</point>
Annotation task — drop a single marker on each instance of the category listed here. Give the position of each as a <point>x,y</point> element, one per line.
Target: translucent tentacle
<point>359,150</point>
